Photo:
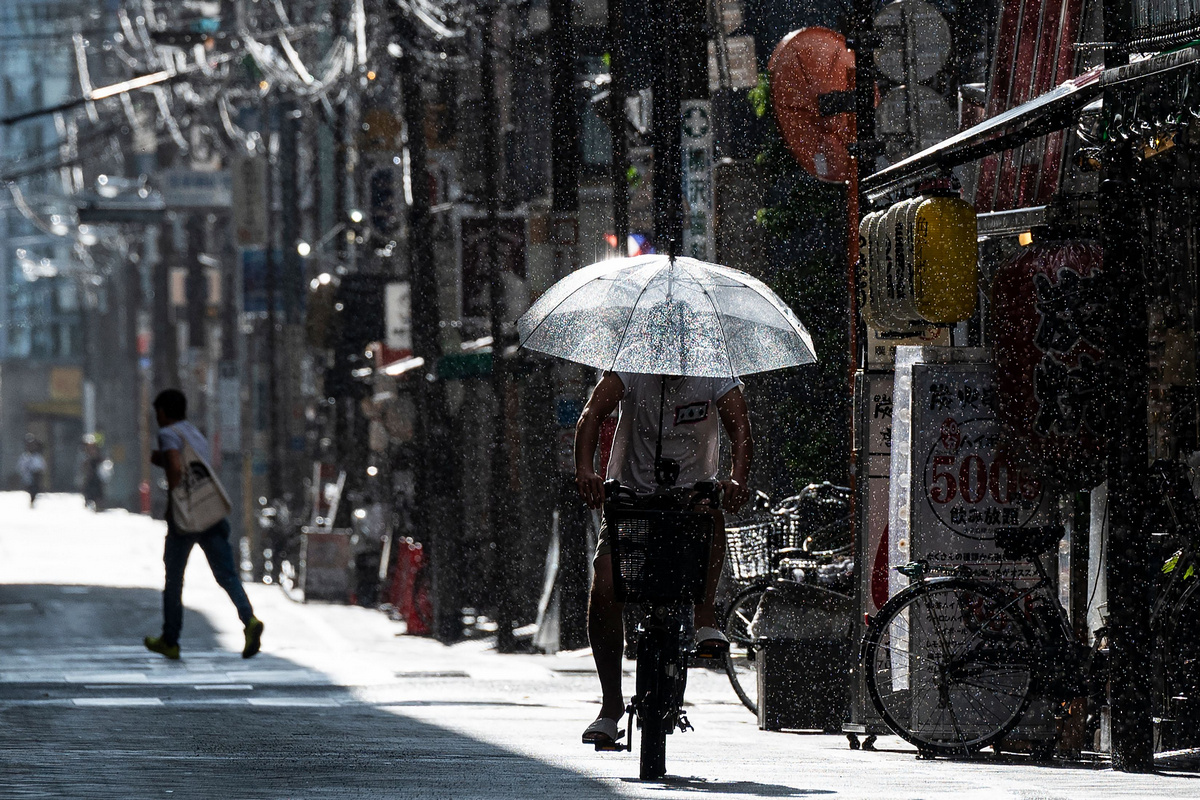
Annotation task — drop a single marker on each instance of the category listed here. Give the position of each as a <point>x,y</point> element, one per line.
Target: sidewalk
<point>339,705</point>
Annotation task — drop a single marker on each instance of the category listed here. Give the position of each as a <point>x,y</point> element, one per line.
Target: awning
<point>1049,112</point>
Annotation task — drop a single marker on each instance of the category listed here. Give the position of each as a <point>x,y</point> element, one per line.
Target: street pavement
<point>341,704</point>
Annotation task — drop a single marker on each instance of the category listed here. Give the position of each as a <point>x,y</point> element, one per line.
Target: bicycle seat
<point>1030,542</point>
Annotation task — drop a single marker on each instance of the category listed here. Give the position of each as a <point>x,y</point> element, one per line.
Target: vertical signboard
<point>229,407</point>
<point>877,410</point>
<point>698,240</point>
<point>952,488</point>
<point>397,314</point>
<point>249,188</point>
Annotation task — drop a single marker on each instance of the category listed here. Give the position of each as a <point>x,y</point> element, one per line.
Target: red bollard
<point>144,497</point>
<point>409,592</point>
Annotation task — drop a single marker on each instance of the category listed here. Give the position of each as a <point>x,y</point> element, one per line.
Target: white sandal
<point>601,730</point>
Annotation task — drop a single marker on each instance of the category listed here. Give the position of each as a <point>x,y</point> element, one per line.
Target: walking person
<point>684,411</point>
<point>174,431</point>
<point>32,467</point>
<point>92,468</point>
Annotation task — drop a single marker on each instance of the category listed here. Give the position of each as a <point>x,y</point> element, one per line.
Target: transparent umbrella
<point>660,316</point>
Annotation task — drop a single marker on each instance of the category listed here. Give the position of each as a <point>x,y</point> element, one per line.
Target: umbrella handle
<point>666,470</point>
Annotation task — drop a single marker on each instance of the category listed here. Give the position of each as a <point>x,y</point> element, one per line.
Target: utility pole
<point>342,420</point>
<point>501,499</point>
<point>666,84</point>
<point>274,421</point>
<point>1122,209</point>
<point>435,472</point>
<point>617,90</point>
<point>564,232</point>
<point>166,345</point>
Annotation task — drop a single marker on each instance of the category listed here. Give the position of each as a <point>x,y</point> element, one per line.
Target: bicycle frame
<point>659,578</point>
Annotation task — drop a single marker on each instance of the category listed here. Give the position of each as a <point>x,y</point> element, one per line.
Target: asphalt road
<point>339,704</point>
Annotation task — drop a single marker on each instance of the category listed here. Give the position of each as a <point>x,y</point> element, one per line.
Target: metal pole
<point>166,346</point>
<point>666,132</point>
<point>500,498</point>
<point>1122,213</point>
<point>564,221</point>
<point>617,90</point>
<point>862,40</point>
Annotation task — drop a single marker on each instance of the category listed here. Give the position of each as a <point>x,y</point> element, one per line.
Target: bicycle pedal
<point>683,724</point>
<point>614,746</point>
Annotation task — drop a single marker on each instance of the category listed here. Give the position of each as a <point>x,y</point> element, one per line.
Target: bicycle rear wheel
<point>740,665</point>
<point>950,665</point>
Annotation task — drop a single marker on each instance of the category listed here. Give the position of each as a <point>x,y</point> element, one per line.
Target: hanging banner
<point>1047,319</point>
<point>698,239</point>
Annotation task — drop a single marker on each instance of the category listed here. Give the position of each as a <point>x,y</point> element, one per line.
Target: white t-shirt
<point>173,436</point>
<point>691,428</point>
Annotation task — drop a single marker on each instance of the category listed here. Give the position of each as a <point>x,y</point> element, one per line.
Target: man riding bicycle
<point>667,433</point>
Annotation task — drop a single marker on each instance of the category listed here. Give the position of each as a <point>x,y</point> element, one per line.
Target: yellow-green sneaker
<point>254,630</point>
<point>155,644</point>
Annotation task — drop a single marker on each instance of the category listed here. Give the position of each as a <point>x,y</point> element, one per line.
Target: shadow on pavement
<point>207,740</point>
<point>745,788</point>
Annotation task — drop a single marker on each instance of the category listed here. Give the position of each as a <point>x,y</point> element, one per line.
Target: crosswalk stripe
<point>116,701</point>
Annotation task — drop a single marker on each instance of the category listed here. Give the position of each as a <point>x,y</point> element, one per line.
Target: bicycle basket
<point>750,548</point>
<point>659,556</point>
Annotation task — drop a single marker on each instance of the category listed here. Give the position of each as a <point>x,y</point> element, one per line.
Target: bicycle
<point>952,662</point>
<point>660,553</point>
<point>777,548</point>
<point>1176,606</point>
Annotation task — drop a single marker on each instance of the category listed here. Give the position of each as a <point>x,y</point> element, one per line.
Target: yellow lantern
<point>945,259</point>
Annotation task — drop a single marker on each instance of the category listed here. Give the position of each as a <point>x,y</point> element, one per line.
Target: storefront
<point>1046,403</point>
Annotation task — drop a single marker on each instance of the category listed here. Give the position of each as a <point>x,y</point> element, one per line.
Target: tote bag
<point>199,500</point>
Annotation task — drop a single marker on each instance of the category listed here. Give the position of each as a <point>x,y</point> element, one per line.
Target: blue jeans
<point>215,544</point>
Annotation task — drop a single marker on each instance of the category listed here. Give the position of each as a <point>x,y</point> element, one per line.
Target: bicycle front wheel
<point>949,665</point>
<point>654,694</point>
<point>740,665</point>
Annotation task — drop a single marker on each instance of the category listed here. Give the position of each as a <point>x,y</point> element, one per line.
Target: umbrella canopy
<point>658,316</point>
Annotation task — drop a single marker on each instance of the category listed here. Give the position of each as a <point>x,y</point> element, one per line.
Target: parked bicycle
<point>804,539</point>
<point>953,661</point>
<point>660,552</point>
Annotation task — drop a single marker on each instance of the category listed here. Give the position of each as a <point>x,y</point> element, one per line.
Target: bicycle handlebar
<point>707,492</point>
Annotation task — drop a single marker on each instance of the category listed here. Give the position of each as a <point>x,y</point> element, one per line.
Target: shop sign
<point>229,407</point>
<point>919,265</point>
<point>954,485</point>
<point>881,349</point>
<point>397,313</point>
